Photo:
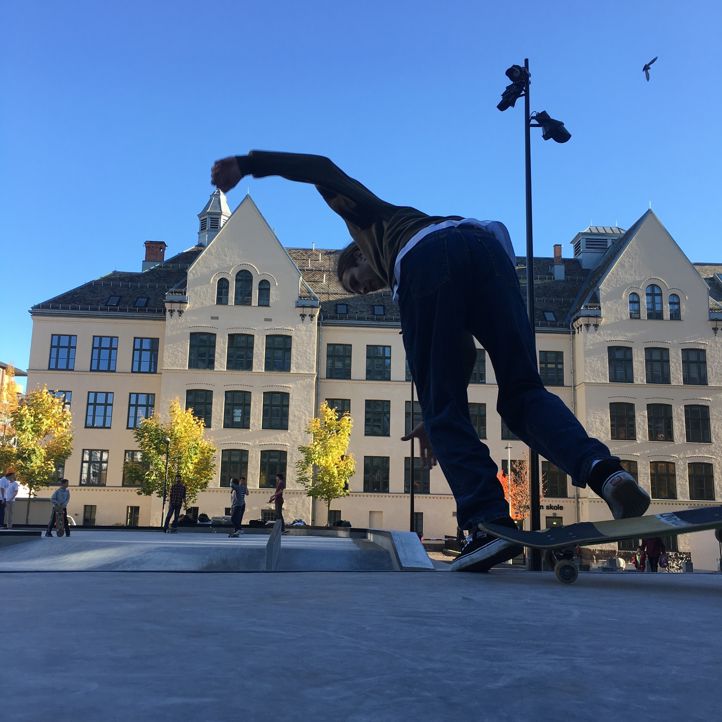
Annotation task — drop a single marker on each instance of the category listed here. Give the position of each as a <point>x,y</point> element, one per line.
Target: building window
<point>132,515</point>
<point>701,481</point>
<point>94,467</point>
<point>550,316</point>
<point>551,368</point>
<point>621,367</point>
<point>113,301</point>
<point>65,396</point>
<point>411,419</point>
<point>634,306</point>
<point>407,371</point>
<point>422,476</point>
<point>631,468</point>
<point>477,413</point>
<point>506,433</point>
<point>272,462</point>
<point>89,514</point>
<point>140,406</point>
<point>664,483</point>
<point>239,355</point>
<point>104,353</point>
<point>659,422</point>
<point>202,351</point>
<point>553,521</point>
<point>675,308</point>
<point>275,410</point>
<point>222,288</point>
<point>338,360</point>
<point>99,411</point>
<point>378,363</point>
<point>554,480</point>
<point>145,355</point>
<point>244,288</point>
<point>694,366</point>
<point>237,410</point>
<point>334,515</point>
<point>377,418</point>
<point>214,223</point>
<point>341,406</point>
<point>478,373</point>
<point>376,474</point>
<point>654,302</point>
<point>62,352</point>
<point>264,293</point>
<point>131,459</point>
<point>141,302</point>
<point>200,402</point>
<point>622,421</point>
<point>278,353</point>
<point>341,310</point>
<point>378,309</point>
<point>656,361</point>
<point>234,465</point>
<point>204,223</point>
<point>696,423</point>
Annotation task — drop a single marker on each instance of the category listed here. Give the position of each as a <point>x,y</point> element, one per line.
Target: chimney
<point>154,254</point>
<point>558,263</point>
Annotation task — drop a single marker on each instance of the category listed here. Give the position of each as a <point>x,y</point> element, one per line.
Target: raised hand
<point>225,173</point>
<point>426,453</point>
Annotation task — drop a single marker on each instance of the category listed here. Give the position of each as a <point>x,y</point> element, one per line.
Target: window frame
<point>133,403</point>
<point>378,362</point>
<point>276,410</point>
<point>64,352</point>
<point>274,355</point>
<point>237,400</point>
<point>202,350</point>
<point>103,405</point>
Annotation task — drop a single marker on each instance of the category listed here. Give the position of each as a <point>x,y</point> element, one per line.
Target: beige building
<point>253,336</point>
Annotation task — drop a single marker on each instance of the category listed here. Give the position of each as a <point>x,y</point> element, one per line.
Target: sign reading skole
<point>552,507</point>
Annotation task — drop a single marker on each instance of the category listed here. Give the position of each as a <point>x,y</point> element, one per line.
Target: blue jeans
<point>458,283</point>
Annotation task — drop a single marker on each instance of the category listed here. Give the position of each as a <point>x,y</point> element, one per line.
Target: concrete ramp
<point>145,551</point>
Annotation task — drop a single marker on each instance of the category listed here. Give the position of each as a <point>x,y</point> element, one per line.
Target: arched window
<point>222,292</point>
<point>264,293</point>
<point>675,308</point>
<point>654,302</point>
<point>244,288</point>
<point>634,307</point>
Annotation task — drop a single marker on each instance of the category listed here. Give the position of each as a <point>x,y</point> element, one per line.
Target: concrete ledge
<point>17,536</point>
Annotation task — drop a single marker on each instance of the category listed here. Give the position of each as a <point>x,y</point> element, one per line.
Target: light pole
<point>412,499</point>
<point>165,479</point>
<point>554,130</point>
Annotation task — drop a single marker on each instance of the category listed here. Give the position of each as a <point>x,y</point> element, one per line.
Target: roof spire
<point>212,217</point>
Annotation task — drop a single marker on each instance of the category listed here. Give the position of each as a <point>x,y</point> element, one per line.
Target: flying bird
<point>648,66</point>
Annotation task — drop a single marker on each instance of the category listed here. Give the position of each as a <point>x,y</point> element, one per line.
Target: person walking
<point>11,493</point>
<point>454,279</point>
<point>277,499</point>
<point>239,490</point>
<point>176,499</point>
<point>59,500</point>
<point>654,548</point>
<point>4,483</point>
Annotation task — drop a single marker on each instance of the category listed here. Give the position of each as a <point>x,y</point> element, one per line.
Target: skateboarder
<point>239,490</point>
<point>277,499</point>
<point>654,549</point>
<point>175,502</point>
<point>454,279</point>
<point>59,500</point>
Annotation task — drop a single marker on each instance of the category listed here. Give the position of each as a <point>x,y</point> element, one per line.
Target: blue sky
<point>112,114</point>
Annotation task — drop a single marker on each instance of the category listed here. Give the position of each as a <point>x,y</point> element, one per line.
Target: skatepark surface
<point>509,645</point>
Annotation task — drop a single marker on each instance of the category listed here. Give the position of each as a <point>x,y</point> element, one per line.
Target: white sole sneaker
<point>626,499</point>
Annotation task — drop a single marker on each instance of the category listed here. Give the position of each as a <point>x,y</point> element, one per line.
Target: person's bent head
<point>64,483</point>
<point>355,273</point>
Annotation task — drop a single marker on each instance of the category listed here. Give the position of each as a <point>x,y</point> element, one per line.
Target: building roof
<point>16,370</point>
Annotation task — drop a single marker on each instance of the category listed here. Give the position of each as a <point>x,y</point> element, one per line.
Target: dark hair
<point>280,476</point>
<point>346,259</point>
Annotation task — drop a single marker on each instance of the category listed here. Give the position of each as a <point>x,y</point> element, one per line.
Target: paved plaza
<point>509,645</point>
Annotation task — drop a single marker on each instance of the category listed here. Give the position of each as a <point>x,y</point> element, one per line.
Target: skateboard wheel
<point>566,572</point>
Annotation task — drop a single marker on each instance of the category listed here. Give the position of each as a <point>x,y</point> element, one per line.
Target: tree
<point>190,454</point>
<point>38,439</point>
<point>9,392</point>
<point>325,466</point>
<point>516,490</point>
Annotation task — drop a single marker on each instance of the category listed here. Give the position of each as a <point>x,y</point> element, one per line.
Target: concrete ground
<point>509,645</point>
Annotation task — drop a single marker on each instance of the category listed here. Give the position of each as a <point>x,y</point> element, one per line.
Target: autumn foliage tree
<point>190,454</point>
<point>36,439</point>
<point>516,489</point>
<point>325,465</point>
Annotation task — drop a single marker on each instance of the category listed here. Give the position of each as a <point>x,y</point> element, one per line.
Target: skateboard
<point>559,543</point>
<point>59,522</point>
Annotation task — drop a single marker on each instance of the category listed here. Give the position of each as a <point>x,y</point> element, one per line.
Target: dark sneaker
<point>483,551</point>
<point>624,496</point>
<point>48,533</point>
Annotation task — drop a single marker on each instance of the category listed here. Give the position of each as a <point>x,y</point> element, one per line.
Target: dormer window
<point>675,308</point>
<point>113,301</point>
<point>141,302</point>
<point>634,306</point>
<point>654,302</point>
<point>550,316</point>
<point>379,309</point>
<point>342,309</point>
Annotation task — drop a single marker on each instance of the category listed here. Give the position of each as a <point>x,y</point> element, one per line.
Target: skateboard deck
<point>603,532</point>
<point>59,522</point>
